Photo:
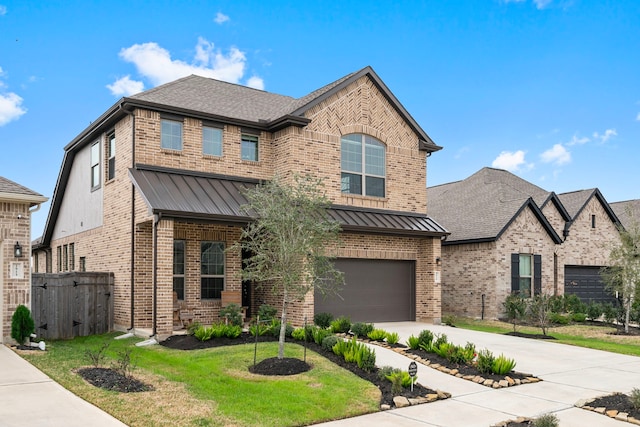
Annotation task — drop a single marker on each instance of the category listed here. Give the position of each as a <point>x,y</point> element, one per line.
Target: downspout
<point>133,221</point>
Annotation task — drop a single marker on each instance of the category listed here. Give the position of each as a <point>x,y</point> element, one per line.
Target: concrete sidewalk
<point>30,398</point>
<point>569,373</point>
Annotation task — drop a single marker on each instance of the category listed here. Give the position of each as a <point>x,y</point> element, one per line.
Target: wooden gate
<point>68,305</point>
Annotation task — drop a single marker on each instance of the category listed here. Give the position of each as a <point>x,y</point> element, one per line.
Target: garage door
<point>586,283</point>
<point>374,291</point>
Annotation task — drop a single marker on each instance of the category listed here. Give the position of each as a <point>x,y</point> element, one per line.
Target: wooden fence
<point>67,305</point>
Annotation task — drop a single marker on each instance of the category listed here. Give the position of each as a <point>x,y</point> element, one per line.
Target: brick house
<point>508,235</point>
<point>152,190</point>
<point>17,203</point>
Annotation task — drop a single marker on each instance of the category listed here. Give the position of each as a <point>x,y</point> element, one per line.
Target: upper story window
<point>95,165</point>
<point>111,154</point>
<point>249,148</point>
<point>211,141</point>
<point>363,165</point>
<point>171,135</point>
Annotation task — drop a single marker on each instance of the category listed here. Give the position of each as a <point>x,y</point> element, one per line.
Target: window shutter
<point>537,274</point>
<point>515,273</point>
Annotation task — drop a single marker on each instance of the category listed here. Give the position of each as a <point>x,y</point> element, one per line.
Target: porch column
<point>164,277</point>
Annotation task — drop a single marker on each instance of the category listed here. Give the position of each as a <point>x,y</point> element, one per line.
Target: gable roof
<point>576,201</point>
<point>627,212</point>
<point>200,196</point>
<point>481,207</point>
<point>215,100</point>
<point>12,191</point>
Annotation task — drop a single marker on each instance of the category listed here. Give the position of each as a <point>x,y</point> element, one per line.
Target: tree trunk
<point>283,330</point>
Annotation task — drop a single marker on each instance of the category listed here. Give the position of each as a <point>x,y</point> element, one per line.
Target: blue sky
<point>548,89</point>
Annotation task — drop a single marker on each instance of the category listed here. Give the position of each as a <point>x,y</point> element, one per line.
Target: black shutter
<point>537,274</point>
<point>515,273</point>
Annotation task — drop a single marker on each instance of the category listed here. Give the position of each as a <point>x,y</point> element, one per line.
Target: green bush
<point>267,312</point>
<point>377,335</point>
<point>259,329</point>
<point>97,357</point>
<point>320,334</point>
<point>192,327</point>
<point>22,325</point>
<point>392,338</point>
<point>573,304</point>
<point>341,325</point>
<point>449,319</point>
<point>232,313</point>
<point>557,304</point>
<point>485,361</point>
<point>503,365</point>
<point>516,308</point>
<point>386,370</point>
<point>425,337</point>
<point>340,347</point>
<point>594,311</point>
<point>322,320</point>
<point>361,329</point>
<point>399,380</point>
<point>546,420</point>
<point>299,334</point>
<point>429,345</point>
<point>274,328</point>
<point>203,333</point>
<point>610,313</point>
<point>413,342</point>
<point>329,341</point>
<point>578,317</point>
<point>634,398</point>
<point>366,358</point>
<point>232,331</point>
<point>559,319</point>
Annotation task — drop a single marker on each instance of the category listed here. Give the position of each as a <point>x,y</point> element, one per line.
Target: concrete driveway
<point>569,373</point>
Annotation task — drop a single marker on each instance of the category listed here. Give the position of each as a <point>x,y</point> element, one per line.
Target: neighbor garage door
<point>586,283</point>
<point>374,291</point>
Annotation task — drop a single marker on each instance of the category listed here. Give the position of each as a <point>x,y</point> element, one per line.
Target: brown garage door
<point>586,283</point>
<point>374,291</point>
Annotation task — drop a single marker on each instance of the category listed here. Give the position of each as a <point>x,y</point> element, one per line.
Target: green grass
<point>213,387</point>
<point>580,335</point>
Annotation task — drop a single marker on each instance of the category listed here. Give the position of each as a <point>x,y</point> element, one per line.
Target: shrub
<point>413,342</point>
<point>340,347</point>
<point>218,330</point>
<point>232,314</point>
<point>193,326</point>
<point>540,311</point>
<point>449,319</point>
<point>203,333</point>
<point>392,338</point>
<point>485,361</point>
<point>124,364</point>
<point>96,357</point>
<point>559,319</point>
<point>361,329</point>
<point>610,313</point>
<point>299,334</point>
<point>399,380</point>
<point>366,358</point>
<point>22,325</point>
<point>322,320</point>
<point>308,332</point>
<point>320,334</point>
<point>634,398</point>
<point>578,317</point>
<point>274,328</point>
<point>232,331</point>
<point>267,312</point>
<point>503,365</point>
<point>386,370</point>
<point>341,325</point>
<point>440,339</point>
<point>557,304</point>
<point>259,329</point>
<point>546,420</point>
<point>573,304</point>
<point>516,308</point>
<point>377,335</point>
<point>425,337</point>
<point>329,341</point>
<point>594,311</point>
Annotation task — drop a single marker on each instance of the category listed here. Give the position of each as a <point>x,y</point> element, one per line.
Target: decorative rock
<point>400,401</point>
<point>611,413</point>
<point>469,377</point>
<point>488,383</point>
<point>445,370</point>
<point>432,397</point>
<point>443,394</point>
<point>503,383</point>
<point>495,384</point>
<point>633,421</point>
<point>580,403</point>
<point>458,375</point>
<point>600,410</point>
<point>622,416</point>
<point>478,379</point>
<point>417,400</point>
<point>518,382</point>
<point>435,366</point>
<point>454,372</point>
<point>510,381</point>
<point>533,379</point>
<point>385,407</point>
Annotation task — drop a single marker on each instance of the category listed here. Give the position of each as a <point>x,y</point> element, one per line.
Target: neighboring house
<point>152,191</point>
<point>628,212</point>
<point>17,203</point>
<point>510,236</point>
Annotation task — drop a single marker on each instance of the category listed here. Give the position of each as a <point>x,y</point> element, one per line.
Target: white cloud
<point>607,135</point>
<point>154,63</point>
<point>556,154</point>
<point>255,82</point>
<point>125,87</point>
<point>3,10</point>
<point>575,140</point>
<point>511,161</point>
<point>541,4</point>
<point>10,108</point>
<point>638,117</point>
<point>220,18</point>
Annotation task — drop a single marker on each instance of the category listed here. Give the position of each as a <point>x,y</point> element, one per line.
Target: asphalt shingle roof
<point>627,211</point>
<point>574,201</point>
<point>480,206</point>
<point>8,186</point>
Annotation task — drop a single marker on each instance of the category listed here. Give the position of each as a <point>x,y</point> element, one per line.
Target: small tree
<point>289,241</point>
<point>540,311</point>
<point>623,275</point>
<point>22,325</point>
<point>516,308</point>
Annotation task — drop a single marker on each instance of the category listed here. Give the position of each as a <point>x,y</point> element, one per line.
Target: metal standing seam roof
<point>182,194</point>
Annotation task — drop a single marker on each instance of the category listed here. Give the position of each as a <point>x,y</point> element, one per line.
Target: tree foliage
<point>623,274</point>
<point>22,325</point>
<point>290,242</point>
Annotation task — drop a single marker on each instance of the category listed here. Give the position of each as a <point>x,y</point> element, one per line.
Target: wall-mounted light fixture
<point>438,260</point>
<point>17,250</point>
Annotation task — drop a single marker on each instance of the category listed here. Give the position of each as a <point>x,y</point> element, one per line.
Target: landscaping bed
<point>418,395</point>
<point>617,405</point>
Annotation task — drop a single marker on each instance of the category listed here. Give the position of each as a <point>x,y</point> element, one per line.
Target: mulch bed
<point>110,379</point>
<point>269,367</point>
<point>618,402</point>
<point>530,336</point>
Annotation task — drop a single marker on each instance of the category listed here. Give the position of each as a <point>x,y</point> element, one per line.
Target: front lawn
<point>212,387</point>
<point>588,335</point>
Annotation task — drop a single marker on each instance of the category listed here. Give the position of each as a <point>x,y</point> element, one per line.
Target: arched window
<point>363,165</point>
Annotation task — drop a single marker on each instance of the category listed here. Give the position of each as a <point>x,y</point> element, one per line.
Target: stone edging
<point>401,401</point>
<point>611,413</point>
<point>518,420</point>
